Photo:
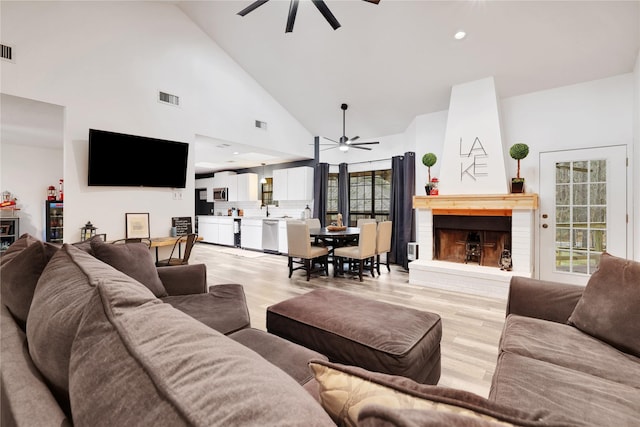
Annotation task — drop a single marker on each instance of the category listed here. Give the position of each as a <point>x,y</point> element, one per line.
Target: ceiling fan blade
<point>353,139</point>
<point>365,143</point>
<point>358,147</point>
<point>373,1</point>
<point>256,4</point>
<point>293,9</point>
<point>324,10</point>
<point>330,148</point>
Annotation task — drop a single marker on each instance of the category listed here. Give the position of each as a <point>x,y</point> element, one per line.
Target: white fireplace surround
<point>472,278</point>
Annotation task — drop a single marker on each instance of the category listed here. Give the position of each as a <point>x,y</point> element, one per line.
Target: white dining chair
<point>383,243</point>
<point>363,253</point>
<point>300,249</point>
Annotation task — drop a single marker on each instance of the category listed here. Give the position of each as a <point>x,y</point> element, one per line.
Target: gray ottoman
<point>358,331</point>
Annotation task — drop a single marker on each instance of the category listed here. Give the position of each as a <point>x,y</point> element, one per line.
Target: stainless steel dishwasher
<point>270,235</point>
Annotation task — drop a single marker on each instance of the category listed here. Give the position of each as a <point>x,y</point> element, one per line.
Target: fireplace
<point>462,237</point>
<point>466,239</point>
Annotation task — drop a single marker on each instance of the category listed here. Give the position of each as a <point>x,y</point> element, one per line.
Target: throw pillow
<point>137,361</point>
<point>64,288</point>
<point>346,391</point>
<point>609,308</point>
<point>134,260</point>
<point>20,276</point>
<point>16,247</point>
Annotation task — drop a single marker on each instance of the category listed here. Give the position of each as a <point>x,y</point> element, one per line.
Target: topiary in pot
<point>518,152</point>
<point>429,160</point>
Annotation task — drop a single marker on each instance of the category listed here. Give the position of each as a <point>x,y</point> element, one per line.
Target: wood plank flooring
<point>471,325</point>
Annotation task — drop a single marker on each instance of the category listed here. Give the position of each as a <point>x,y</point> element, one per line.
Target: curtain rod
<point>365,161</point>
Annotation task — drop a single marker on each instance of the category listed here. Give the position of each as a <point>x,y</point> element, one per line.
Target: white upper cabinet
<point>243,187</point>
<point>293,183</point>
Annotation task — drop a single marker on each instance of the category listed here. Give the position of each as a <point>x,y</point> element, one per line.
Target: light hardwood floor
<point>471,324</point>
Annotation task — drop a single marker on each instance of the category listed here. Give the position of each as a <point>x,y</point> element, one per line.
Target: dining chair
<point>383,243</point>
<point>144,240</point>
<point>301,251</point>
<point>314,223</point>
<point>363,253</point>
<point>189,242</point>
<point>364,221</point>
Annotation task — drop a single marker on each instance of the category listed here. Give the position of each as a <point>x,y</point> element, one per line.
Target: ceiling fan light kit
<point>344,143</point>
<point>293,10</point>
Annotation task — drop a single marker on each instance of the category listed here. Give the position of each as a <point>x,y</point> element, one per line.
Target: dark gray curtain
<point>320,182</point>
<point>343,192</point>
<point>403,186</point>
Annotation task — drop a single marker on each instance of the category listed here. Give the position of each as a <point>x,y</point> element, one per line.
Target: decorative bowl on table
<point>336,228</point>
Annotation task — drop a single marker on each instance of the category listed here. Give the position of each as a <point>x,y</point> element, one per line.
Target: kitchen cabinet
<point>293,183</point>
<point>251,233</point>
<point>207,229</point>
<point>216,229</point>
<point>243,187</point>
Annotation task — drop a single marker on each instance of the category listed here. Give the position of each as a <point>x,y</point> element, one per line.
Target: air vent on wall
<point>167,98</point>
<point>261,125</point>
<point>6,52</point>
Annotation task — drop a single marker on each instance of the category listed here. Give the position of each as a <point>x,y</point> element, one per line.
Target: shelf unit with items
<point>9,231</point>
<point>54,215</point>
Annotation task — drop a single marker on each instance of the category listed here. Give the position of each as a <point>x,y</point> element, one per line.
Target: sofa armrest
<point>184,279</point>
<point>542,299</point>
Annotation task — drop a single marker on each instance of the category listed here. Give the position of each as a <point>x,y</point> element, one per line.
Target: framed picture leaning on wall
<point>137,225</point>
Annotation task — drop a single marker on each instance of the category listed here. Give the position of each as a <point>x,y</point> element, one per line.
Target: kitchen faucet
<point>267,206</point>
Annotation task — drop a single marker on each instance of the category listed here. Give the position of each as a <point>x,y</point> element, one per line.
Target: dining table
<point>335,238</point>
<point>157,242</point>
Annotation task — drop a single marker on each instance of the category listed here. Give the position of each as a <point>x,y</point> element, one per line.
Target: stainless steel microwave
<point>220,194</point>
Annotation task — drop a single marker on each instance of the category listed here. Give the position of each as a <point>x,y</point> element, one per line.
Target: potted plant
<point>518,151</point>
<point>429,160</point>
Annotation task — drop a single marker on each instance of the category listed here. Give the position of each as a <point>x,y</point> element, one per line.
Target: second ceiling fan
<point>345,143</point>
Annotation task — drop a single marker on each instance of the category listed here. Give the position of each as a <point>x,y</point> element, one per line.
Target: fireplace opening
<point>477,240</point>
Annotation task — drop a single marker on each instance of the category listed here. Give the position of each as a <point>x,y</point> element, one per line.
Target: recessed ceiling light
<point>236,152</point>
<point>459,35</point>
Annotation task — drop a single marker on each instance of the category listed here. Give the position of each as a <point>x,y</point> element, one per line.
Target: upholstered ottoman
<point>357,331</point>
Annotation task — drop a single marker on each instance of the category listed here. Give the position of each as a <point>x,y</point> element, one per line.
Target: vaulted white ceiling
<point>396,60</point>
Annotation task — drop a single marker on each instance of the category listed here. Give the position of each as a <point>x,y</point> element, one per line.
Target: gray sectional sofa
<point>572,349</point>
<point>96,335</point>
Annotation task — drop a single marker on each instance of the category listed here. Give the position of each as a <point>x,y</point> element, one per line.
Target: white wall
<point>104,62</point>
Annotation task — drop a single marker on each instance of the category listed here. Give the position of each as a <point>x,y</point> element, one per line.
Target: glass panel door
<point>582,211</point>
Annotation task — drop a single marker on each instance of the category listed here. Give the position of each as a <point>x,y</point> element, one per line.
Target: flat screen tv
<point>120,160</point>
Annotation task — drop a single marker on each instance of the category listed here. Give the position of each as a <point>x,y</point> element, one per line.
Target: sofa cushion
<point>290,357</point>
<point>64,288</point>
<point>559,344</point>
<point>134,260</point>
<point>223,308</point>
<point>20,276</point>
<point>526,383</point>
<point>345,391</point>
<point>25,398</point>
<point>172,370</point>
<point>16,247</point>
<point>609,306</point>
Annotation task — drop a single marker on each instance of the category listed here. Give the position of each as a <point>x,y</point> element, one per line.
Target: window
<point>332,199</point>
<point>369,196</point>
<point>267,192</point>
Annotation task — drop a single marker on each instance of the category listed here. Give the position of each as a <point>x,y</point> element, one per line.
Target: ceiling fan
<point>293,9</point>
<point>345,143</point>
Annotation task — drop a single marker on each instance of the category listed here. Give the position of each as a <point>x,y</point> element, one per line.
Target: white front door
<point>582,211</point>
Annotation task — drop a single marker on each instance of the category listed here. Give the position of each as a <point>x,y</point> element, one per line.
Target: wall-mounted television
<point>121,160</point>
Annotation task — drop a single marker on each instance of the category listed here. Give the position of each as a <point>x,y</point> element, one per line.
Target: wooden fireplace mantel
<point>477,204</point>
